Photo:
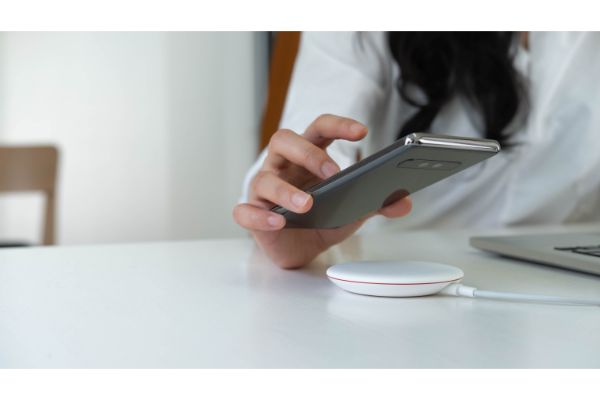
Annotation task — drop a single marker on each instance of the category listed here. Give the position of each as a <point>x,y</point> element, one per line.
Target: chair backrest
<point>32,168</point>
<point>283,58</point>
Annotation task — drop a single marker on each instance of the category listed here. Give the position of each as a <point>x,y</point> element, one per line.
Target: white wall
<point>155,130</point>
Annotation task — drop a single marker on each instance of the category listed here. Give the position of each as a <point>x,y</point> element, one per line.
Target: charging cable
<point>457,289</point>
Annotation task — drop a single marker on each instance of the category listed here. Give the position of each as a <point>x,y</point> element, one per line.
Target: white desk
<point>222,304</point>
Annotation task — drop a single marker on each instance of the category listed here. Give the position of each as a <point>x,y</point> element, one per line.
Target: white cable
<point>457,289</point>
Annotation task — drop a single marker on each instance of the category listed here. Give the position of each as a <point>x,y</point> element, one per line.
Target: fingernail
<point>273,220</point>
<point>357,128</point>
<point>329,169</point>
<point>299,199</point>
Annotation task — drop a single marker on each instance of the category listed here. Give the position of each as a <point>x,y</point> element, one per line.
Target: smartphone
<point>410,164</point>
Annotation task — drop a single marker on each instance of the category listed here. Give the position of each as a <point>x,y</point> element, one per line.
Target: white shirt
<point>552,177</point>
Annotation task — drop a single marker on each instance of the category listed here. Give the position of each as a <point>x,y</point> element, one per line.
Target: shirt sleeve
<point>337,73</point>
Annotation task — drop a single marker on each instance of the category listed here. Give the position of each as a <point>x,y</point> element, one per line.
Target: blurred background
<point>154,130</point>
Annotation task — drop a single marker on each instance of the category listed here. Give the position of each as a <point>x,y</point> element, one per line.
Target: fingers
<point>328,127</point>
<point>256,218</point>
<point>397,209</point>
<point>268,186</point>
<point>306,151</point>
<point>285,145</point>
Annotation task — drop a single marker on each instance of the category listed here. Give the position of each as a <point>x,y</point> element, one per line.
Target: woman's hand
<point>295,161</point>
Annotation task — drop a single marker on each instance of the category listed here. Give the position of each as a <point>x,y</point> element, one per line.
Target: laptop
<point>575,251</point>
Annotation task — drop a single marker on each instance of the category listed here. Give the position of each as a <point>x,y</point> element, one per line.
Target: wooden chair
<point>32,169</point>
<point>283,58</point>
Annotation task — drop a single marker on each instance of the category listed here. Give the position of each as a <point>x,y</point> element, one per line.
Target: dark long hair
<point>475,65</point>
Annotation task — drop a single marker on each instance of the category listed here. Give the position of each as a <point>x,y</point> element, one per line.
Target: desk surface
<point>220,303</point>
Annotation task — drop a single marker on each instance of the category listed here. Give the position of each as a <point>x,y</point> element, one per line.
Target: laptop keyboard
<point>586,250</point>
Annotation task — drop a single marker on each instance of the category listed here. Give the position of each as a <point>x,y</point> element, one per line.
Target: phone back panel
<point>371,185</point>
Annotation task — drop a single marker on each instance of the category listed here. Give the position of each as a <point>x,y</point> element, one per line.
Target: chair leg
<point>49,220</point>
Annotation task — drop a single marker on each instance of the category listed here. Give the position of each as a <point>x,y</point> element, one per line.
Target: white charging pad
<point>393,278</point>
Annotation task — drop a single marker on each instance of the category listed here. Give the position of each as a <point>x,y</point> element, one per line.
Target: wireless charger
<point>419,278</point>
<point>394,278</point>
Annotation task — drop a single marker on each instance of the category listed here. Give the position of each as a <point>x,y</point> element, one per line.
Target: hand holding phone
<point>292,162</point>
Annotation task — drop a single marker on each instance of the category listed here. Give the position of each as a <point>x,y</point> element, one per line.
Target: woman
<point>537,93</point>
